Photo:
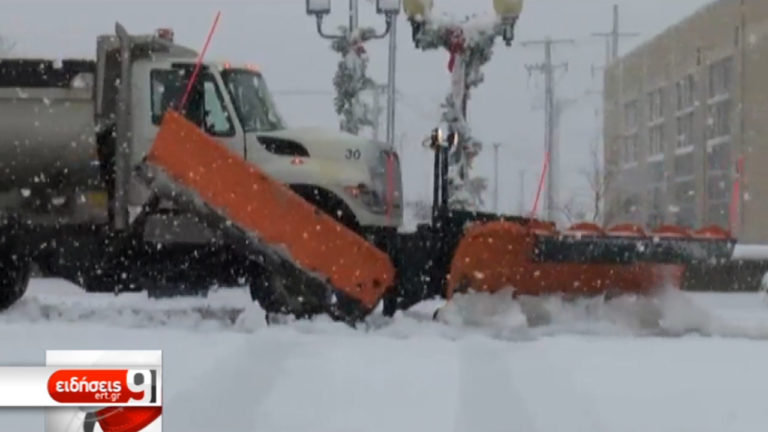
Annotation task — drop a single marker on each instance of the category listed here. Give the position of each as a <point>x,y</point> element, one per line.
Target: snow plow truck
<point>109,181</point>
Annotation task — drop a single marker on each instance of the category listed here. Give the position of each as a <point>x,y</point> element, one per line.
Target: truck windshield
<point>252,100</point>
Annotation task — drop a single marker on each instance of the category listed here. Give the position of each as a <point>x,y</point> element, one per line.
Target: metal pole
<point>391,83</point>
<point>444,185</point>
<point>615,32</point>
<point>353,16</point>
<point>376,112</point>
<point>549,127</point>
<point>123,134</point>
<point>496,177</point>
<point>612,37</point>
<point>436,185</point>
<point>548,69</point>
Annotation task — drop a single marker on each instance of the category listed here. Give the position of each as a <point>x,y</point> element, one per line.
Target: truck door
<point>206,105</point>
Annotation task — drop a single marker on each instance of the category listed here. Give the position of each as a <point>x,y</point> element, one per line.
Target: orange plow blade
<point>270,212</point>
<point>584,261</point>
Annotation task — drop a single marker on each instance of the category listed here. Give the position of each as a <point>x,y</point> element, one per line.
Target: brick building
<point>682,112</point>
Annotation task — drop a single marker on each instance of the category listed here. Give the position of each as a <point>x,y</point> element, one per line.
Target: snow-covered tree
<point>599,177</point>
<point>6,46</point>
<point>351,80</point>
<point>470,44</point>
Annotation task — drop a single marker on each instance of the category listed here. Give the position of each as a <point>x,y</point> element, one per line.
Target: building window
<point>686,92</point>
<point>719,111</point>
<point>631,116</point>
<point>656,192</point>
<point>718,183</point>
<point>656,140</point>
<point>631,141</point>
<point>685,130</point>
<point>684,166</point>
<point>656,105</point>
<point>718,159</point>
<point>656,122</point>
<point>720,77</point>
<point>631,149</point>
<point>719,119</point>
<point>719,114</point>
<point>684,208</point>
<point>686,107</point>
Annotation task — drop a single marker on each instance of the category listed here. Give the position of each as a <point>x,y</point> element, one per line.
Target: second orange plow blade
<point>535,259</point>
<point>271,212</point>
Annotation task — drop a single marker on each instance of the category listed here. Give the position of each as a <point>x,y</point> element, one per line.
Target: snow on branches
<point>351,80</point>
<point>470,45</point>
<point>6,46</point>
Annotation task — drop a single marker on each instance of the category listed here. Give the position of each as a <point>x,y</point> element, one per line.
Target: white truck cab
<point>355,179</point>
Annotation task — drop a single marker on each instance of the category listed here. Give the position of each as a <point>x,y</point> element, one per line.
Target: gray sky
<point>277,35</point>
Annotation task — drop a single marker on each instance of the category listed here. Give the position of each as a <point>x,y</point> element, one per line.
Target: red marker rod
<point>199,63</point>
<point>541,185</point>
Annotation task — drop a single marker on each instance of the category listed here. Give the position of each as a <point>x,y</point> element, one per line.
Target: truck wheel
<point>14,279</point>
<point>268,289</point>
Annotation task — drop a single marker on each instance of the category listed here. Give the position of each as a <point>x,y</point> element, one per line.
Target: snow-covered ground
<point>684,362</point>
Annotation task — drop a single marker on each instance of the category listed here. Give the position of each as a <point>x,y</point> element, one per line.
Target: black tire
<point>14,279</point>
<point>267,289</point>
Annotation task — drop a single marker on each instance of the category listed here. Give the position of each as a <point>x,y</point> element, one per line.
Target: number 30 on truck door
<point>353,154</point>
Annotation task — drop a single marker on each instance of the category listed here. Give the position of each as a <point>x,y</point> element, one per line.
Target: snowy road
<point>588,368</point>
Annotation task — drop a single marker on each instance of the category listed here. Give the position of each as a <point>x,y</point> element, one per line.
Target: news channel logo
<point>139,388</point>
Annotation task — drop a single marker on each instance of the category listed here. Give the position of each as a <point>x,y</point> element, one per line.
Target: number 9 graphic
<point>143,381</point>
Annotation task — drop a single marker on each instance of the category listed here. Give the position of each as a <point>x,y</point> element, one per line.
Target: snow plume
<point>764,289</point>
<point>470,44</point>
<point>669,313</point>
<point>352,80</point>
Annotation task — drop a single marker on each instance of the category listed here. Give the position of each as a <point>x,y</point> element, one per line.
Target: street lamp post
<point>508,11</point>
<point>389,9</point>
<point>469,51</point>
<point>320,8</point>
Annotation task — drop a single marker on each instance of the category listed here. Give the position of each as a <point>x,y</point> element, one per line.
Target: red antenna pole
<point>199,63</point>
<point>541,185</point>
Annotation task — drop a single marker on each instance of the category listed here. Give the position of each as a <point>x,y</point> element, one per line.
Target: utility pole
<point>548,69</point>
<point>615,33</point>
<point>613,37</point>
<point>496,177</point>
<point>612,52</point>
